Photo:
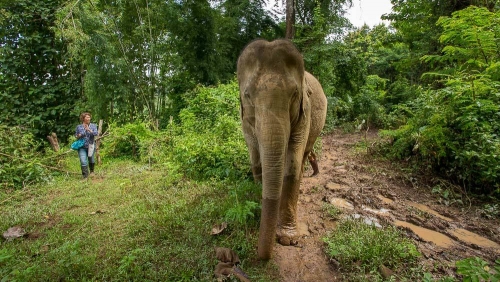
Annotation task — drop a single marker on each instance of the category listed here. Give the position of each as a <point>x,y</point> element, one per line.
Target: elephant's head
<point>271,78</point>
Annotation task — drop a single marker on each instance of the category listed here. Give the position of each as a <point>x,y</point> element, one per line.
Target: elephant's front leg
<point>287,225</point>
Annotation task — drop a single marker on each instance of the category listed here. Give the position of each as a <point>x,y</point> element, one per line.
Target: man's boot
<point>91,166</point>
<point>85,171</point>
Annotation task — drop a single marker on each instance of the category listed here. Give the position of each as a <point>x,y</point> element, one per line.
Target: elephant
<point>282,111</point>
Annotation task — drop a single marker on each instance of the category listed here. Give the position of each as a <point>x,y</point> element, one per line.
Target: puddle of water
<point>341,203</point>
<point>368,220</point>
<point>384,212</point>
<point>427,235</point>
<point>473,238</point>
<point>333,186</point>
<point>426,209</point>
<point>385,200</point>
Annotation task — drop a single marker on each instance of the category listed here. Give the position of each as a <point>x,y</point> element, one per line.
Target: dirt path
<point>382,193</point>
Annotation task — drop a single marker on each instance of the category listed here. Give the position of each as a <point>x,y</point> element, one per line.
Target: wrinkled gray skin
<point>283,110</point>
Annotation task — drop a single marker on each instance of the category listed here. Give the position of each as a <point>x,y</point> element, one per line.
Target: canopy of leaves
<point>38,84</point>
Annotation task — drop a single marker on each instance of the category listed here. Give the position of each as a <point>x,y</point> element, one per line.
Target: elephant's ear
<point>304,96</point>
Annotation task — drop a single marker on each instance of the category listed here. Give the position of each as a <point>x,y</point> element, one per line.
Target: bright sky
<point>368,11</point>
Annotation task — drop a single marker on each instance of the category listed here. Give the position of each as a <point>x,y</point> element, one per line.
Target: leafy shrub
<point>20,162</point>
<point>241,212</point>
<point>336,109</point>
<point>476,269</point>
<point>209,141</point>
<point>367,104</point>
<point>455,129</point>
<point>400,92</point>
<point>127,140</point>
<point>456,132</point>
<point>242,202</point>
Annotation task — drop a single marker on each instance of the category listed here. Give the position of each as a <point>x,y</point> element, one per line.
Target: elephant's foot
<point>287,241</point>
<point>314,165</point>
<point>287,236</point>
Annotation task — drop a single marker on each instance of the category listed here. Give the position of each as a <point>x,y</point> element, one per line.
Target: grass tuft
<point>362,249</point>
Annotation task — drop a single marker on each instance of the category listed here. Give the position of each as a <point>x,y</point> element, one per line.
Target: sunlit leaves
<point>471,36</point>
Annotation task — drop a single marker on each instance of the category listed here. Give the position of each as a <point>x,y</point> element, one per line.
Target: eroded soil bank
<point>382,193</point>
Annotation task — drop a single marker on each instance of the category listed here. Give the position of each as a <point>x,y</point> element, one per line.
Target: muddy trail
<point>381,193</point>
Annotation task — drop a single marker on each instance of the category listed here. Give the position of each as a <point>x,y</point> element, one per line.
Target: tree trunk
<point>98,143</point>
<point>53,141</point>
<point>290,20</point>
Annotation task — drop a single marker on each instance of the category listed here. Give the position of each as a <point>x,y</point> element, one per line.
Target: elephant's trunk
<point>273,145</point>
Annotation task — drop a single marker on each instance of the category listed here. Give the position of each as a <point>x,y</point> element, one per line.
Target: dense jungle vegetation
<point>161,74</point>
<point>430,80</point>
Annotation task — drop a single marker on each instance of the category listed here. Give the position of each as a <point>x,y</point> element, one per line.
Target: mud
<point>381,193</point>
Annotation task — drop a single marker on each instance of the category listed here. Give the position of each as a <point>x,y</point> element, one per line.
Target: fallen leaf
<point>14,232</point>
<point>228,265</point>
<point>217,229</point>
<point>44,249</point>
<point>98,212</point>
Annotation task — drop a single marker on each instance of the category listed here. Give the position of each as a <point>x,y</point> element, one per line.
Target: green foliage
<point>470,37</point>
<point>38,84</point>
<point>150,228</point>
<point>491,211</point>
<point>447,196</point>
<point>208,142</point>
<point>356,242</point>
<point>332,211</point>
<point>242,211</point>
<point>428,278</point>
<point>128,141</point>
<point>139,58</point>
<point>455,129</point>
<point>367,104</point>
<point>20,162</point>
<point>381,49</point>
<point>415,22</point>
<point>476,269</point>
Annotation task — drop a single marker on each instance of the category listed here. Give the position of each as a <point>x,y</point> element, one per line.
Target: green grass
<point>360,250</point>
<point>131,222</point>
<point>331,211</point>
